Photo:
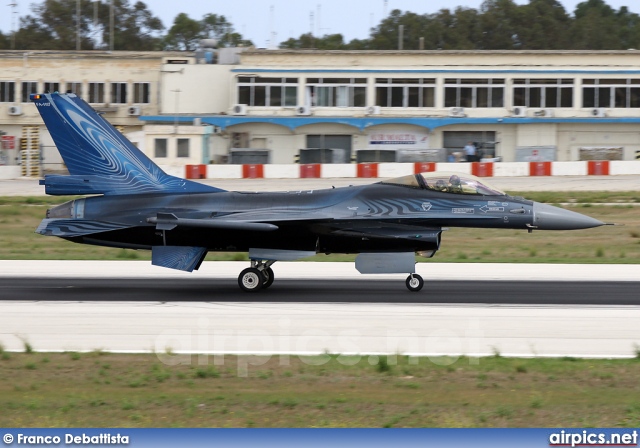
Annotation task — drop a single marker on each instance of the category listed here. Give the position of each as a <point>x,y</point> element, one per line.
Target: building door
<point>455,141</point>
<point>322,148</point>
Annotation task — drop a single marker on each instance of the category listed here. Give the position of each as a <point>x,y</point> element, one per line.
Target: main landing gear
<point>258,276</point>
<point>414,283</point>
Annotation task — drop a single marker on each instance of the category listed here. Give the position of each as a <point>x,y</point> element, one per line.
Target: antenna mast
<point>13,5</point>
<point>271,45</point>
<point>311,22</point>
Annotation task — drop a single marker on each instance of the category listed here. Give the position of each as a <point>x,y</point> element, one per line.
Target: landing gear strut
<point>414,283</point>
<point>258,276</point>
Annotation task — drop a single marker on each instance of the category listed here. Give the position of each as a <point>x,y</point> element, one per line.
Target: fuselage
<point>311,220</point>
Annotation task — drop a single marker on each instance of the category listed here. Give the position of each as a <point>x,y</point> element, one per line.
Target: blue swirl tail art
<point>99,158</point>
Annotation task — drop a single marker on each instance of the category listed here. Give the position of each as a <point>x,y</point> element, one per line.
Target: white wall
<point>203,89</point>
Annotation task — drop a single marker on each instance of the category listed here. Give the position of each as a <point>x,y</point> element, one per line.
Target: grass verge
<point>112,390</point>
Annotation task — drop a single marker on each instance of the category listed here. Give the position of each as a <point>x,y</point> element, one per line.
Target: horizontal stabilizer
<point>57,185</point>
<point>169,221</point>
<point>182,258</point>
<point>76,227</point>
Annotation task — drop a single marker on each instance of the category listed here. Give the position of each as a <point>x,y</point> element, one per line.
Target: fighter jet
<point>136,205</point>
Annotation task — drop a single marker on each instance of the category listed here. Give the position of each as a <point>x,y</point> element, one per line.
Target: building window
<point>75,87</point>
<point>96,92</point>
<point>7,91</point>
<point>51,87</point>
<point>337,92</point>
<point>612,93</point>
<point>160,148</point>
<point>474,92</point>
<point>183,147</point>
<point>28,87</point>
<point>273,92</point>
<point>410,92</point>
<point>141,92</point>
<point>543,92</point>
<point>119,92</point>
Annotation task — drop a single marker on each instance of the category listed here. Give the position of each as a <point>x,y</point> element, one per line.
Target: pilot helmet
<point>454,180</point>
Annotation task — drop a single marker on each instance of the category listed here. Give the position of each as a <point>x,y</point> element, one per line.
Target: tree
<point>5,41</point>
<point>628,28</point>
<point>327,42</point>
<point>595,27</point>
<point>53,26</point>
<point>219,28</point>
<point>185,33</point>
<point>546,26</point>
<point>135,26</point>
<point>385,36</point>
<point>500,24</point>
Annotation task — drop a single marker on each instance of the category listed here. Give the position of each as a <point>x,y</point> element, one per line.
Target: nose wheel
<point>258,276</point>
<point>414,283</point>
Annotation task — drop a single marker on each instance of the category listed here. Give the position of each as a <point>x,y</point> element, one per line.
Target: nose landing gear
<point>414,283</point>
<point>258,276</point>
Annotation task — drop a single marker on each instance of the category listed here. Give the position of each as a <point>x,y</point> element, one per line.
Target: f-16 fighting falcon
<point>135,205</point>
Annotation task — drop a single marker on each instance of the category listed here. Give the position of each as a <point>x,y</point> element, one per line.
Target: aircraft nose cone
<point>548,217</point>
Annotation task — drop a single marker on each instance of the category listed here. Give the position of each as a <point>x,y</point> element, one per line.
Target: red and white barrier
<point>389,170</point>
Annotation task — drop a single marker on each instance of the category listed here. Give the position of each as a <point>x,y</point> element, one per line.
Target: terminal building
<point>308,106</point>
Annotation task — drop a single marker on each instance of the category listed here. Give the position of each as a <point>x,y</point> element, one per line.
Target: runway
<point>364,291</point>
<point>312,308</point>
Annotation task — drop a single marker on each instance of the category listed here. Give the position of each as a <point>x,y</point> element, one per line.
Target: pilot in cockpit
<point>454,184</point>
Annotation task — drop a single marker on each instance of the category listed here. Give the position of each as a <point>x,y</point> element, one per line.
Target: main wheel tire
<point>251,280</point>
<point>414,283</point>
<point>269,277</point>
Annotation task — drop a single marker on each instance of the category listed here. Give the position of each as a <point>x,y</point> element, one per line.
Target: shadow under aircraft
<point>136,205</point>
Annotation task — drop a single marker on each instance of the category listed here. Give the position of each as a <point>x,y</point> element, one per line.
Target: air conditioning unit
<point>15,110</point>
<point>544,113</point>
<point>239,109</point>
<point>373,110</point>
<point>303,110</point>
<point>519,111</point>
<point>457,112</point>
<point>134,111</point>
<point>598,112</point>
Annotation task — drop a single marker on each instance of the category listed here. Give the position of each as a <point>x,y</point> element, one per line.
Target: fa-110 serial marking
<point>138,206</point>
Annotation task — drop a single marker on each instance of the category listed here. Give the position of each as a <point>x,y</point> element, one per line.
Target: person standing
<point>470,152</point>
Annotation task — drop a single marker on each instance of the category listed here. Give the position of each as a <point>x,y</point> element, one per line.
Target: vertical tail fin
<point>99,158</point>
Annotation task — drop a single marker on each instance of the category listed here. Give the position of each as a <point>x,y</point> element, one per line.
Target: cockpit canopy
<point>447,183</point>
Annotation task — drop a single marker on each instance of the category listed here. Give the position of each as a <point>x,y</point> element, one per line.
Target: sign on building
<point>8,142</point>
<point>398,140</point>
<point>601,153</point>
<point>536,154</point>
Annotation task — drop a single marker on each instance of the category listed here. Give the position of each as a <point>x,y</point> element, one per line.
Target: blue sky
<point>290,18</point>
